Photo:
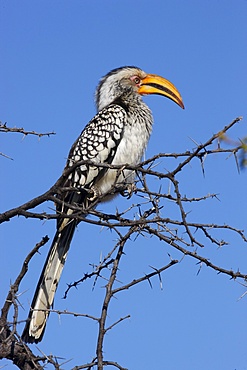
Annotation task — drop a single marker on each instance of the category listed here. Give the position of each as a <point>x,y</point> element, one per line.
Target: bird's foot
<point>93,193</point>
<point>128,191</point>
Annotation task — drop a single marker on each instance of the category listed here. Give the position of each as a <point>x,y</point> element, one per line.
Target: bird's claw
<point>93,193</point>
<point>128,191</point>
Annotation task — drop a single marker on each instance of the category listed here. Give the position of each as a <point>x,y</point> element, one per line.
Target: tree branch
<point>20,130</point>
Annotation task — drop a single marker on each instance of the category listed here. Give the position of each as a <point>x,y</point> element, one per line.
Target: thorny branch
<point>143,218</point>
<point>11,347</point>
<point>21,130</point>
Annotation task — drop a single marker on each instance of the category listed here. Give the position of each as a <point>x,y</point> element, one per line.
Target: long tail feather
<point>48,282</point>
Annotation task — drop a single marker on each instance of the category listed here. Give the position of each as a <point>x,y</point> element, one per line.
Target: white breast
<point>130,151</point>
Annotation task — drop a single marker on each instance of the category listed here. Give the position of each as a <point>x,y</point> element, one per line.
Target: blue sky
<point>53,54</point>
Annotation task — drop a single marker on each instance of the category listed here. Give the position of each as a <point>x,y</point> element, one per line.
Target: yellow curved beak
<point>154,84</point>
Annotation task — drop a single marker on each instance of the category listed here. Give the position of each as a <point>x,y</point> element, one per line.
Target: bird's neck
<point>132,103</point>
<point>137,111</point>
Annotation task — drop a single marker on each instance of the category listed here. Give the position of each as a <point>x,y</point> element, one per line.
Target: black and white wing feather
<point>99,143</point>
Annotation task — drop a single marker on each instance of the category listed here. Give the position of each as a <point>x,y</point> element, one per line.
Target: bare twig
<point>20,130</point>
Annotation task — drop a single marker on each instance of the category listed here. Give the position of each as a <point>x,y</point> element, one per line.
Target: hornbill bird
<point>117,135</point>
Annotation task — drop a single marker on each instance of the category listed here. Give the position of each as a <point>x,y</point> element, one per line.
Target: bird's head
<point>132,79</point>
